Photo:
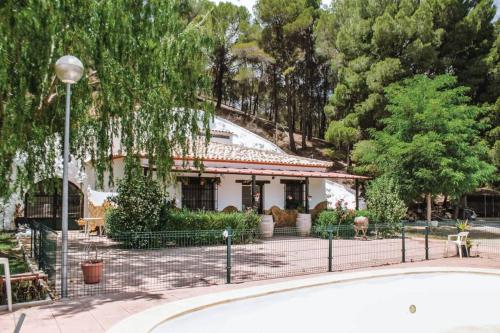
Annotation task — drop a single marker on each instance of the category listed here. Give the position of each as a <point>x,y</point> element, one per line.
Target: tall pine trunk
<point>219,77</point>
<point>289,108</point>
<point>429,207</point>
<point>303,124</point>
<point>274,93</point>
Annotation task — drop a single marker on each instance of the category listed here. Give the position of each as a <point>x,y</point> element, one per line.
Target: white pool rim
<point>146,321</point>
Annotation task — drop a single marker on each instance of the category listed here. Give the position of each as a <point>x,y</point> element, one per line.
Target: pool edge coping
<point>147,320</point>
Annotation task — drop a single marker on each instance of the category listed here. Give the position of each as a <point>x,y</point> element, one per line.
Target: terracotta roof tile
<point>267,172</point>
<point>234,153</point>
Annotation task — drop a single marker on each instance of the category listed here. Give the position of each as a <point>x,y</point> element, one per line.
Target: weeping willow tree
<point>145,65</point>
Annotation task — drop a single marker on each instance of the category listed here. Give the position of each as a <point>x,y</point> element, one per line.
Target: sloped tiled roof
<point>269,172</point>
<point>234,153</point>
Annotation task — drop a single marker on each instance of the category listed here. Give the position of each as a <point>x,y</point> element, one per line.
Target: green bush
<point>139,207</point>
<point>342,220</point>
<point>384,202</point>
<point>367,213</point>
<point>202,220</point>
<point>141,219</point>
<point>206,227</point>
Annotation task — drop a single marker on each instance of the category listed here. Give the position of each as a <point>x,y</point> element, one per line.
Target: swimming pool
<point>410,300</point>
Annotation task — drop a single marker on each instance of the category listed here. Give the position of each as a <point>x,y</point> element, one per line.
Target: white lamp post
<point>69,69</point>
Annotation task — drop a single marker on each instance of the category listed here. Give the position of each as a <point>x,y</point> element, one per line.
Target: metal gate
<point>43,203</point>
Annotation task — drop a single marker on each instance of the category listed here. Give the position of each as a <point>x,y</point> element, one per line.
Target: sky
<point>250,3</point>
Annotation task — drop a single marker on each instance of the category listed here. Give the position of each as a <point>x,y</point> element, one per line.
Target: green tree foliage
<point>145,65</point>
<point>296,78</point>
<point>340,135</point>
<point>252,63</point>
<point>140,204</point>
<point>372,44</point>
<point>228,25</point>
<point>493,119</point>
<point>430,143</point>
<point>384,202</point>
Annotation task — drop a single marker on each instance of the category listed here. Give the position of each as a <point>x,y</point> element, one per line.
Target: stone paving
<point>138,279</point>
<point>98,313</point>
<point>134,270</point>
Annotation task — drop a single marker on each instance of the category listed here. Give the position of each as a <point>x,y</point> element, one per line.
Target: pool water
<point>437,302</point>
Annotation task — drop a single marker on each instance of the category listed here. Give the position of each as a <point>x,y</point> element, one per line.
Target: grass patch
<point>8,245</point>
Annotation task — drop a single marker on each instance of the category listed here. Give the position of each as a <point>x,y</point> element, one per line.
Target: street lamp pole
<point>64,225</point>
<point>69,70</point>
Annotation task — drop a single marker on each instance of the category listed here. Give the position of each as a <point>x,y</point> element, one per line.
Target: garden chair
<point>96,220</point>
<point>230,209</point>
<point>459,240</point>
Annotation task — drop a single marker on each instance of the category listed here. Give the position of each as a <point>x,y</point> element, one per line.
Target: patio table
<point>97,221</point>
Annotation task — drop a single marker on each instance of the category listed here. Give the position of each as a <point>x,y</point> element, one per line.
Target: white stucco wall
<point>229,192</point>
<point>337,191</point>
<point>274,193</point>
<point>316,191</point>
<point>242,136</point>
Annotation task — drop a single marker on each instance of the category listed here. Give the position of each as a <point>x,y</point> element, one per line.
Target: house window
<point>246,196</point>
<point>199,193</point>
<point>294,194</point>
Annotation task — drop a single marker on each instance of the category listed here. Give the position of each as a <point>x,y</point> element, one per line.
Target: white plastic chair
<point>5,263</point>
<point>459,240</point>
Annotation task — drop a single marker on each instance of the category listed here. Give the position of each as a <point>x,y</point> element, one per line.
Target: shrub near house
<point>200,227</point>
<point>142,218</point>
<point>139,206</point>
<point>341,218</point>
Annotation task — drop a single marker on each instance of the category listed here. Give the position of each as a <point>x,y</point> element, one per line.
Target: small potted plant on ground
<point>92,267</point>
<point>463,226</point>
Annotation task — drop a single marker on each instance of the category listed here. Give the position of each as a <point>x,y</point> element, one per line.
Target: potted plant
<point>92,267</point>
<point>462,226</point>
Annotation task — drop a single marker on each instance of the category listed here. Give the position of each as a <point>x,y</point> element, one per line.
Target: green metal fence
<point>143,262</point>
<point>44,250</point>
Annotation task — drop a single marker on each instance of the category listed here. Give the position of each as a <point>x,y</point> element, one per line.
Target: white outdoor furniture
<point>5,263</point>
<point>91,222</point>
<point>459,240</point>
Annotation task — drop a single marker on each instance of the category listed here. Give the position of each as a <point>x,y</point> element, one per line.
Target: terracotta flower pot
<point>92,271</point>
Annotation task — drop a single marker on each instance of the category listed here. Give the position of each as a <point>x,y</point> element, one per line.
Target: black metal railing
<point>174,259</point>
<point>44,249</point>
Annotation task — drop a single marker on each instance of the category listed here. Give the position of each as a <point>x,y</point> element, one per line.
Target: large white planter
<point>266,226</point>
<point>303,224</point>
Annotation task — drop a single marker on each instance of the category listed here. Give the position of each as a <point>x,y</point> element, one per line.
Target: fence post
<point>403,245</point>
<point>39,259</point>
<point>32,227</point>
<point>427,241</point>
<point>330,247</point>
<point>228,233</point>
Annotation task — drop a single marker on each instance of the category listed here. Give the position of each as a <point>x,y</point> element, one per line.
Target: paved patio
<point>133,270</point>
<point>173,267</point>
<point>98,313</point>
